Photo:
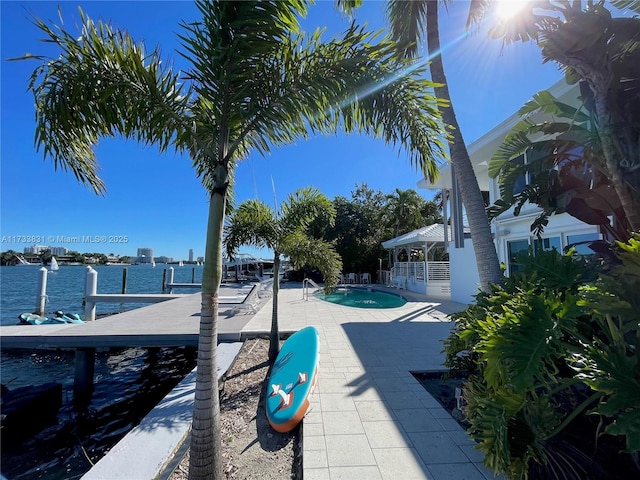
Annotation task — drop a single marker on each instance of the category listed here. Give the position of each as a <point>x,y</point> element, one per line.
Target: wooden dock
<point>173,322</point>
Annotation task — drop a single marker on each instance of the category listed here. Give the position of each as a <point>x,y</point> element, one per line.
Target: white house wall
<point>465,280</point>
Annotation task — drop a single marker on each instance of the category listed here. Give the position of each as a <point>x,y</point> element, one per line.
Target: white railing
<point>422,271</point>
<point>438,272</point>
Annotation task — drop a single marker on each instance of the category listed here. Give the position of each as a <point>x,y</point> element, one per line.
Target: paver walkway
<point>370,417</point>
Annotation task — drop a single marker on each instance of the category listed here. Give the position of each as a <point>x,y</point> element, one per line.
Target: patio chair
<point>399,282</point>
<point>249,303</point>
<point>266,288</point>
<point>366,278</point>
<point>351,278</point>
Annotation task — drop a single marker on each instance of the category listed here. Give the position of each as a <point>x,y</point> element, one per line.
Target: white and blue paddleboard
<point>293,379</point>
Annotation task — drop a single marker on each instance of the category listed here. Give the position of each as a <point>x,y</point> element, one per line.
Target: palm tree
<point>410,21</point>
<point>254,83</point>
<point>285,232</point>
<point>404,210</point>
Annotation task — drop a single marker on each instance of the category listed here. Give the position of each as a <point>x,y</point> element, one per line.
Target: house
<point>512,234</point>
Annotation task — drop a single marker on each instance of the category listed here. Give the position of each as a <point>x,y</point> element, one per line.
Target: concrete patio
<point>370,417</point>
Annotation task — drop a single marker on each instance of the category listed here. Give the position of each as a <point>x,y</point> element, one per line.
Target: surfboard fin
<point>285,398</point>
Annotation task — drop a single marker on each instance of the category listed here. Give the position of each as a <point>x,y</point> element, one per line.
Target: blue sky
<point>156,200</point>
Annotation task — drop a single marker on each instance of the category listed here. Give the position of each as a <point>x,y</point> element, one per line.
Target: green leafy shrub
<point>557,340</point>
<point>611,361</point>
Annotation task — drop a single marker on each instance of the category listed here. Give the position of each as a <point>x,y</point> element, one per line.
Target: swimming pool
<point>359,298</point>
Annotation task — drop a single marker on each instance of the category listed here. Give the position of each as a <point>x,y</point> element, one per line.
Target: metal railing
<point>305,287</point>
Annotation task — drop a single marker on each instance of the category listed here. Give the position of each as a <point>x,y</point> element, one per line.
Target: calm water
<point>65,288</point>
<point>128,382</point>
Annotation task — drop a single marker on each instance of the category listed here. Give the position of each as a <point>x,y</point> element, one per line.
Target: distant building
<point>191,254</point>
<point>36,249</point>
<point>59,251</point>
<point>145,255</point>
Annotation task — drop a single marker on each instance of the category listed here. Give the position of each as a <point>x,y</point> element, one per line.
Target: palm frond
<point>104,84</point>
<point>252,223</point>
<point>407,22</point>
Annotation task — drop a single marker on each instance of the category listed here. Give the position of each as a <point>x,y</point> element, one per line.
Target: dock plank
<point>173,322</point>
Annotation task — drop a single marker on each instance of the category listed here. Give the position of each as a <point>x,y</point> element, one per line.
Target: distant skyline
<point>157,200</point>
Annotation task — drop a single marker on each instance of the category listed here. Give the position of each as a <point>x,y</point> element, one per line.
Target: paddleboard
<point>293,379</point>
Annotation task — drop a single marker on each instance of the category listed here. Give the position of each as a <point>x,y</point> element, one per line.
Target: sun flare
<point>507,9</point>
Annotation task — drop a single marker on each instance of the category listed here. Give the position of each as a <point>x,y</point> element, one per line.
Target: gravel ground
<point>251,449</point>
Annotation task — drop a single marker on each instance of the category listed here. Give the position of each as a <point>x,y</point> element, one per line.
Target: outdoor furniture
<point>399,282</point>
<point>265,289</point>
<point>351,278</point>
<point>342,279</point>
<point>249,303</point>
<point>366,278</point>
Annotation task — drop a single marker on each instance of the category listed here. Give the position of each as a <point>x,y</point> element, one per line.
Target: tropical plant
<point>403,210</point>
<point>285,232</point>
<point>564,165</point>
<point>557,342</point>
<point>611,362</point>
<point>255,82</point>
<point>604,52</point>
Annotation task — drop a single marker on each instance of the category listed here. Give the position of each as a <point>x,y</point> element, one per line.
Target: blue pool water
<point>359,298</point>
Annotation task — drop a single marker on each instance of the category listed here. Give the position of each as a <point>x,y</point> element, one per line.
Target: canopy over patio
<point>430,234</point>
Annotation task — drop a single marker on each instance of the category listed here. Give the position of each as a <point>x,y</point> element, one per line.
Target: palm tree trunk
<point>205,456</point>
<point>205,460</point>
<point>274,337</point>
<point>485,250</point>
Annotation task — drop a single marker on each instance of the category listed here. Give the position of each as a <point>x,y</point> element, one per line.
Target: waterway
<point>65,287</point>
<point>128,382</point>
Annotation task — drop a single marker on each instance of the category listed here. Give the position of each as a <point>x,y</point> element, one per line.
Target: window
<point>513,248</point>
<point>546,244</point>
<point>522,181</point>
<point>581,243</point>
<point>538,245</point>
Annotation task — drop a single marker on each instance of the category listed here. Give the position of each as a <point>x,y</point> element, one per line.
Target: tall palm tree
<point>285,232</point>
<point>404,210</point>
<point>255,82</point>
<point>410,21</point>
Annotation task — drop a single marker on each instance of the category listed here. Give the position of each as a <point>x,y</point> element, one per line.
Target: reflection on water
<point>128,383</point>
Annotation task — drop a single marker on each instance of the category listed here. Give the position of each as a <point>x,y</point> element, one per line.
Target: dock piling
<point>41,297</point>
<point>83,380</point>
<point>90,288</point>
<point>170,279</point>
<point>164,280</point>
<point>124,280</point>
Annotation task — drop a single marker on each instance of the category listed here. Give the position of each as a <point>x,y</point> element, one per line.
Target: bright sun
<point>506,9</point>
